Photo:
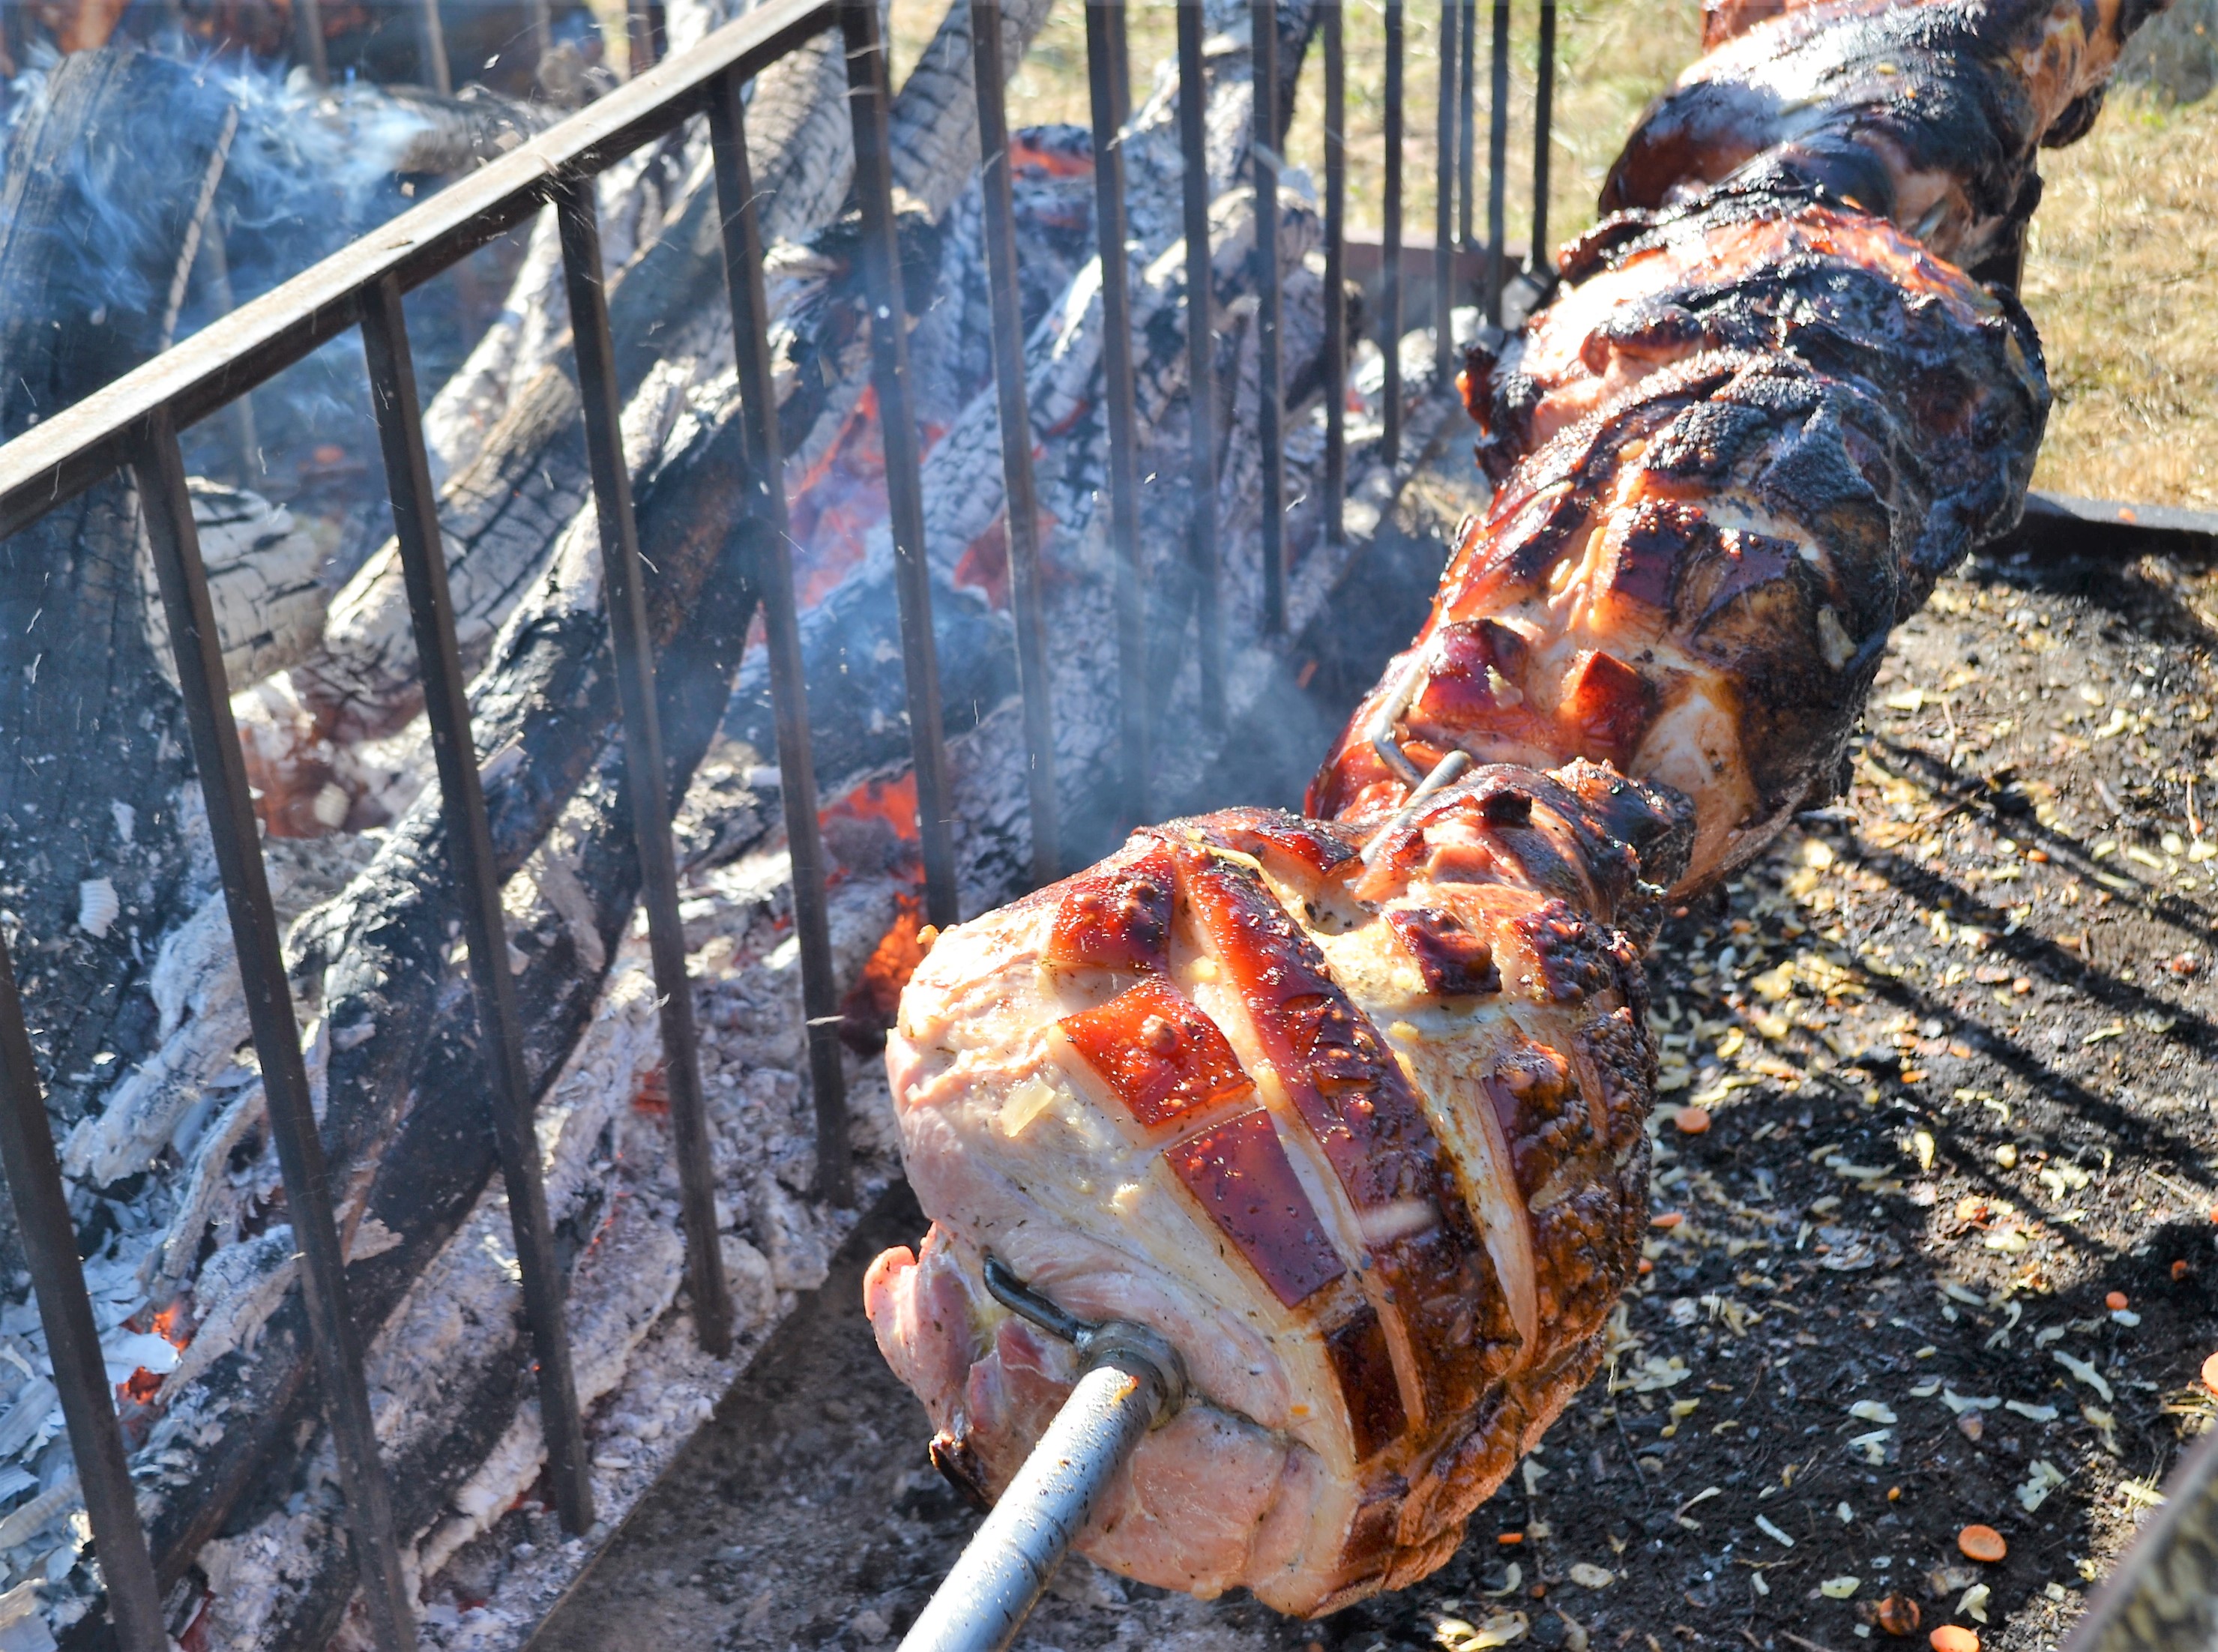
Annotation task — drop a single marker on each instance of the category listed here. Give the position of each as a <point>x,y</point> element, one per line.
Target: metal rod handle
<point>986,1598</point>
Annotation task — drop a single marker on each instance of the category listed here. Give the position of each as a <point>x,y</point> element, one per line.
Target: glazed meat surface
<point>1350,1108</point>
<point>1363,1142</point>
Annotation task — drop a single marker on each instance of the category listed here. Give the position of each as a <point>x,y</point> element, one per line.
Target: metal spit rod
<point>1132,1381</point>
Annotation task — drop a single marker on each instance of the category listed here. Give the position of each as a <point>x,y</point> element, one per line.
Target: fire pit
<point>628,1139</point>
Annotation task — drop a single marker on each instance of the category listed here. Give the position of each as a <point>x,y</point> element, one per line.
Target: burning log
<point>504,509</point>
<point>97,853</point>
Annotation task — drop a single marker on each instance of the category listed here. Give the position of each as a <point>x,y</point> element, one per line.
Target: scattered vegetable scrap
<point>1981,1543</point>
<point>1954,1638</point>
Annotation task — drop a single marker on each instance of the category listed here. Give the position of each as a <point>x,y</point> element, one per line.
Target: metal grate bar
<point>431,49</point>
<point>1200,355</point>
<point>1467,109</point>
<point>1544,117</point>
<point>1335,274</point>
<point>1390,299</point>
<point>867,103</point>
<point>49,1241</point>
<point>1497,164</point>
<point>477,885</point>
<point>1105,30</point>
<point>1022,513</point>
<point>773,565</point>
<point>308,40</point>
<point>646,776</point>
<point>1444,202</point>
<point>1270,390</point>
<point>160,467</point>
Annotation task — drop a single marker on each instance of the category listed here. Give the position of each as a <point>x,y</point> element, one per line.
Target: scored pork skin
<point>1365,1144</point>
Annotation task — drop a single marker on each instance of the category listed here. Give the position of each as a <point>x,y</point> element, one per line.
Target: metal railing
<point>133,425</point>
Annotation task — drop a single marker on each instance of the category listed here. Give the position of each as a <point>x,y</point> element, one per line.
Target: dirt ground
<point>1952,1044</point>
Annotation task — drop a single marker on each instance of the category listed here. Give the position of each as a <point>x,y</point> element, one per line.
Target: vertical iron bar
<point>1389,299</point>
<point>1335,271</point>
<point>820,989</point>
<point>49,1241</point>
<point>642,35</point>
<point>1270,392</point>
<point>477,886</point>
<point>431,49</point>
<point>308,40</point>
<point>1497,162</point>
<point>1105,25</point>
<point>1444,204</point>
<point>539,20</point>
<point>1467,109</point>
<point>159,468</point>
<point>869,106</point>
<point>1022,515</point>
<point>1200,354</point>
<point>1544,116</point>
<point>646,776</point>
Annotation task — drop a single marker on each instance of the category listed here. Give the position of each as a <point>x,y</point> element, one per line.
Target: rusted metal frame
<point>1335,272</point>
<point>88,1399</point>
<point>431,49</point>
<point>1467,110</point>
<point>160,467</point>
<point>870,101</point>
<point>1201,356</point>
<point>1022,515</point>
<point>308,40</point>
<point>477,886</point>
<point>1497,164</point>
<point>645,774</point>
<point>1389,299</point>
<point>1444,202</point>
<point>1105,25</point>
<point>1544,118</point>
<point>773,568</point>
<point>1270,387</point>
<point>59,458</point>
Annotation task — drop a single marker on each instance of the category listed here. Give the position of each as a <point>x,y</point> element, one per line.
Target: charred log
<point>97,853</point>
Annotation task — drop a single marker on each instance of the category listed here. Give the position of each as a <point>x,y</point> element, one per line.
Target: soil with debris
<point>1935,1218</point>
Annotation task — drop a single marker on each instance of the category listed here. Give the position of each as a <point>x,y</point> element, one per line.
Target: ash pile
<point>107,879</point>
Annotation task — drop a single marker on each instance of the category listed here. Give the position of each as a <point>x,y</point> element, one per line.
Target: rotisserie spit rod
<point>1350,1108</point>
<point>1132,1380</point>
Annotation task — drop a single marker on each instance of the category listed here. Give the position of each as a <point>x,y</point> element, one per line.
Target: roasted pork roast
<point>1351,1107</point>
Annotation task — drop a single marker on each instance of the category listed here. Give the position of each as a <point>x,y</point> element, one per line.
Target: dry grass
<point>2122,276</point>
